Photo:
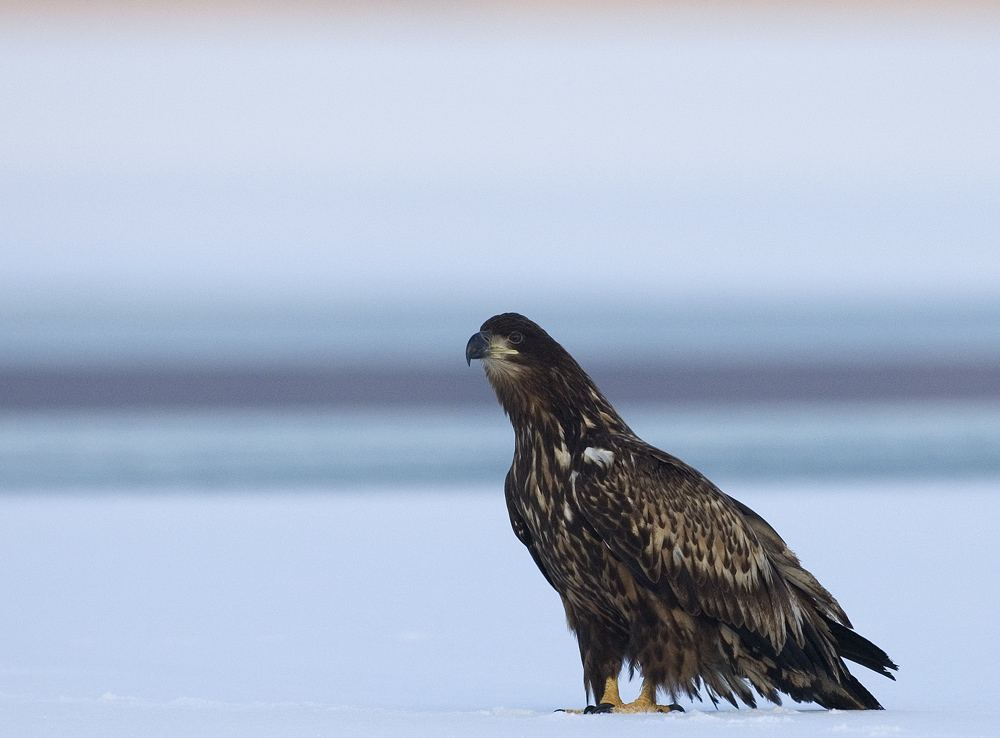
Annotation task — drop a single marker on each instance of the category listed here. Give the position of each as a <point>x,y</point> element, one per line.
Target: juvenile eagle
<point>656,567</point>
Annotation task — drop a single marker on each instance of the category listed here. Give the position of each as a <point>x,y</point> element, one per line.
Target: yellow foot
<point>644,705</point>
<point>630,708</point>
<point>611,702</point>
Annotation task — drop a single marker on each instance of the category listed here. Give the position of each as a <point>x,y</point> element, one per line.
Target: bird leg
<point>611,701</point>
<point>646,701</point>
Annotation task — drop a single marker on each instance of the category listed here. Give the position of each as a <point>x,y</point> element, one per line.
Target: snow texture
<point>412,612</point>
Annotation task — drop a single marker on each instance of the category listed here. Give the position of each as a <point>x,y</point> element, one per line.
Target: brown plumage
<point>656,567</point>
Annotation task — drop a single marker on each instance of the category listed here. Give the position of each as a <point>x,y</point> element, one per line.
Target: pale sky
<point>356,160</point>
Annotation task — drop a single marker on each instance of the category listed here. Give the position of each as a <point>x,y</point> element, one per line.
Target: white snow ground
<point>412,612</point>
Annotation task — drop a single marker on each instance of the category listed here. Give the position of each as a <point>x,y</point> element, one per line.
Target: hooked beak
<point>477,347</point>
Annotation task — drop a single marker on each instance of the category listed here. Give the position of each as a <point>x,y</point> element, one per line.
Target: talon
<point>599,709</point>
<point>674,708</point>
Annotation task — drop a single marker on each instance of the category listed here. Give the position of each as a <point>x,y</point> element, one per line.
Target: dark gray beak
<point>477,347</point>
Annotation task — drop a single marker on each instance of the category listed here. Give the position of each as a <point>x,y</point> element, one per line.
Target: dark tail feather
<point>837,690</point>
<point>860,650</point>
<point>806,675</point>
<point>850,694</point>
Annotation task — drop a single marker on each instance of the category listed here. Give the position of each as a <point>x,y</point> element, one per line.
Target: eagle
<point>657,568</point>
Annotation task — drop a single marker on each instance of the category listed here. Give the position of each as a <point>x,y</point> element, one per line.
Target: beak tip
<point>476,348</point>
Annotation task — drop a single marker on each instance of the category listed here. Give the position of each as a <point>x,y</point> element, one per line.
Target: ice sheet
<point>417,612</point>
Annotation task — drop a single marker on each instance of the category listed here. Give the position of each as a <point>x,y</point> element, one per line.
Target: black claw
<point>675,708</point>
<point>598,709</point>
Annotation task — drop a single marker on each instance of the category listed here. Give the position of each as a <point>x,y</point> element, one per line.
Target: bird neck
<point>571,416</point>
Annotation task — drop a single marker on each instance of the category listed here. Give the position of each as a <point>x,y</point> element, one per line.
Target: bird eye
<point>515,337</point>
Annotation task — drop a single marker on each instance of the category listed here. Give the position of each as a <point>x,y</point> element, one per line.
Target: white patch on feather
<point>543,501</point>
<point>567,513</point>
<point>562,456</point>
<point>600,456</point>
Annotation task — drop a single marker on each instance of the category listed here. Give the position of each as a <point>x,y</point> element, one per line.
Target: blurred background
<point>243,245</point>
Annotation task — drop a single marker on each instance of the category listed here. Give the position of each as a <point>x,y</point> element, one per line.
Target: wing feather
<point>681,535</point>
<point>788,565</point>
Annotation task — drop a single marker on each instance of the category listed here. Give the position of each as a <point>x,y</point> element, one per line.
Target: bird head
<point>512,340</point>
<point>524,364</point>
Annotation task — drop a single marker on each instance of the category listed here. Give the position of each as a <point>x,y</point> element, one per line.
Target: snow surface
<point>412,612</point>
